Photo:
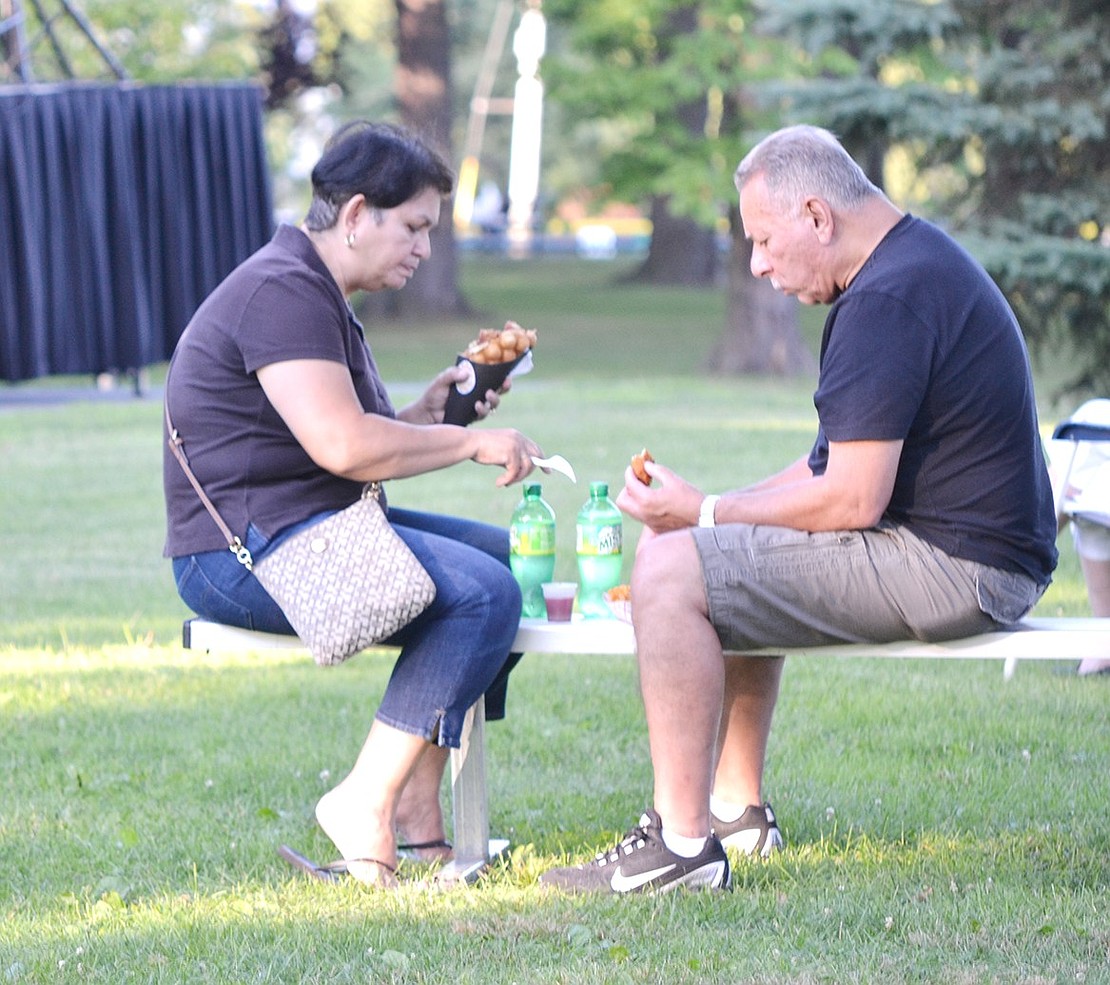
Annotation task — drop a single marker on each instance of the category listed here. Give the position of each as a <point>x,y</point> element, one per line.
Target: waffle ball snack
<point>488,361</point>
<point>493,346</point>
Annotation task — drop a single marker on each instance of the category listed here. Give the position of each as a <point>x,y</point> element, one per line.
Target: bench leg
<point>470,803</point>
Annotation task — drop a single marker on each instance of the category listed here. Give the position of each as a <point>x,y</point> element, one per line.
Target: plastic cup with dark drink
<point>558,597</point>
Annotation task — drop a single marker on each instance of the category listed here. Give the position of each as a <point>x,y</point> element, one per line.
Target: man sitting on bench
<point>923,510</point>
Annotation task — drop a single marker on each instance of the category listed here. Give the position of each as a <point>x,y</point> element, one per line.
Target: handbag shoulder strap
<point>177,446</point>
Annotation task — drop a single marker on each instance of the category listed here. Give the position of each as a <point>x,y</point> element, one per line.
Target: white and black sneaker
<point>642,863</point>
<point>755,832</point>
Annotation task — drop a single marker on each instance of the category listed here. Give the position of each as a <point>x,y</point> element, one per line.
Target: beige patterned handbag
<point>344,583</point>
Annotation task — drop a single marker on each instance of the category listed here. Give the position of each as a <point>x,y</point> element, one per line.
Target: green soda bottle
<point>532,548</point>
<point>599,532</point>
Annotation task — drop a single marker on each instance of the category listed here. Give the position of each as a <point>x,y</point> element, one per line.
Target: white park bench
<point>1032,639</point>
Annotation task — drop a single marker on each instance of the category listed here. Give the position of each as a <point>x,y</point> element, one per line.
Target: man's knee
<point>667,567</point>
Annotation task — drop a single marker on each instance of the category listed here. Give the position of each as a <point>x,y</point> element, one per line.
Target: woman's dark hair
<point>385,163</point>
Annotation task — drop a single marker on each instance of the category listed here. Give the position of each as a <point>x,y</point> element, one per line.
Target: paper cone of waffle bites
<point>489,359</point>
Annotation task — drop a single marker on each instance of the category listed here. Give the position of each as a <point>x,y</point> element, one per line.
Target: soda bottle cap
<point>532,490</point>
<point>599,490</point>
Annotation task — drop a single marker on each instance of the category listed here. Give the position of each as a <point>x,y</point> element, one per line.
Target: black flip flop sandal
<point>329,871</point>
<point>416,846</point>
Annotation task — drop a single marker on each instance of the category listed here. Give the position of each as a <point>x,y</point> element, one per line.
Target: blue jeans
<point>454,651</point>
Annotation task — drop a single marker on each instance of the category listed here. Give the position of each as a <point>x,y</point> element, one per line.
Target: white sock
<point>681,845</point>
<point>725,810</point>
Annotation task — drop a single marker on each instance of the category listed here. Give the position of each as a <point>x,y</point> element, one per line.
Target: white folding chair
<point>1090,422</point>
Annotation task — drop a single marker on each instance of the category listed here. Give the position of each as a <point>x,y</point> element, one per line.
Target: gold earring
<point>351,240</point>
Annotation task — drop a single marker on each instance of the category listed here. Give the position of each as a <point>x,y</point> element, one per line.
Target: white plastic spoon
<point>558,464</point>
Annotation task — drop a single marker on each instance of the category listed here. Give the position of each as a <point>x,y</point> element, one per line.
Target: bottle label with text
<point>599,540</point>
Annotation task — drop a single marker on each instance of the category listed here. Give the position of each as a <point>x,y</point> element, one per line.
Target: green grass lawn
<point>943,825</point>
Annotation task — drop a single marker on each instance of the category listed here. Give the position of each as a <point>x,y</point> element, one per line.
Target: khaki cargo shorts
<point>774,586</point>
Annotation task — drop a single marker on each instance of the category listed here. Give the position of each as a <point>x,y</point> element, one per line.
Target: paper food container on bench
<point>480,378</point>
<point>619,603</point>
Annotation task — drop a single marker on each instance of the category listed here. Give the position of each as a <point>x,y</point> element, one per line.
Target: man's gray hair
<point>803,160</point>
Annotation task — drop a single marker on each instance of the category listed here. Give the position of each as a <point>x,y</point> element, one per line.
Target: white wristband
<point>705,514</point>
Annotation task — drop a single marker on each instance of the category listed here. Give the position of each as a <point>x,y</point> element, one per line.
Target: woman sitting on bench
<point>279,403</point>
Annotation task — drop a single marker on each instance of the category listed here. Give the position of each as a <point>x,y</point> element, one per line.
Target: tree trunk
<point>761,335</point>
<point>422,85</point>
<point>681,251</point>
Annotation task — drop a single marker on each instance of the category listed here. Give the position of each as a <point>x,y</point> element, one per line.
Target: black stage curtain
<point>121,208</point>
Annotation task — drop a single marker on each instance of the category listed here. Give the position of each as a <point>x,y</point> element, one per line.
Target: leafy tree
<point>667,70</point>
<point>673,75</point>
<point>1037,153</point>
<point>155,42</point>
<point>682,250</point>
<point>993,118</point>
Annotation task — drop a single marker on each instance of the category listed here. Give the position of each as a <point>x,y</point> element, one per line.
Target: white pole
<point>529,42</point>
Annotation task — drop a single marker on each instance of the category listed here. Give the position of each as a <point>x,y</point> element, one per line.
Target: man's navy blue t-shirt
<point>923,347</point>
